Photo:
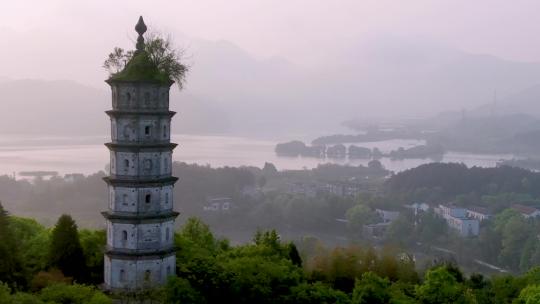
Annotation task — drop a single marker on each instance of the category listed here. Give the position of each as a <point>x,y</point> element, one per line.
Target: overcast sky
<point>303,31</point>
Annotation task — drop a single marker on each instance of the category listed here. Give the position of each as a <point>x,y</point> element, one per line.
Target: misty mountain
<point>63,107</point>
<point>388,77</point>
<point>418,77</point>
<point>524,101</point>
<point>230,91</point>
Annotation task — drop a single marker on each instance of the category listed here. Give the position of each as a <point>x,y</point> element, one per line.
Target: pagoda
<point>140,250</point>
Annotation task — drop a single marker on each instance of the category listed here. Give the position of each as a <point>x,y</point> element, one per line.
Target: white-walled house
<point>465,226</point>
<point>457,219</point>
<point>451,211</point>
<point>218,204</point>
<point>387,216</point>
<point>526,211</point>
<point>418,207</point>
<point>479,213</point>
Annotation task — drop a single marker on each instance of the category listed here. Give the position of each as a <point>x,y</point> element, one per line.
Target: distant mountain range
<point>39,107</point>
<point>229,91</point>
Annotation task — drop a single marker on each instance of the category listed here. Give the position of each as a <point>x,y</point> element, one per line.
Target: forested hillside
<point>40,268</point>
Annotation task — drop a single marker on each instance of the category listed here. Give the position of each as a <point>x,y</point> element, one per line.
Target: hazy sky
<point>79,34</point>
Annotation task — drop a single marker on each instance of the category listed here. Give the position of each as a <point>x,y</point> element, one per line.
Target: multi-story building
<point>140,219</point>
<point>457,219</point>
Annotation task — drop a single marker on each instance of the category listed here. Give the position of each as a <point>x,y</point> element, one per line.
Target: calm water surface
<point>88,155</point>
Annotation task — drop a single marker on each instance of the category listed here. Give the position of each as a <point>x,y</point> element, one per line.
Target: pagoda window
<point>147,274</point>
<point>126,164</point>
<point>125,200</point>
<point>147,164</point>
<point>147,130</point>
<point>165,131</point>
<point>124,236</point>
<point>148,198</point>
<point>128,97</point>
<point>122,275</point>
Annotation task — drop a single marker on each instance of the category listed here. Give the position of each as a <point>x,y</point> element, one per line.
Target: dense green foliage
<point>454,179</point>
<point>159,62</point>
<point>266,270</point>
<point>11,269</point>
<point>212,271</point>
<point>65,251</point>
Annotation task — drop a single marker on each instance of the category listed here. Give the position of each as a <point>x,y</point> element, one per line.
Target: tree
<point>316,293</point>
<point>371,289</point>
<point>530,295</point>
<point>401,231</point>
<point>93,244</point>
<point>249,277</point>
<point>375,165</point>
<point>11,267</point>
<point>430,227</point>
<point>360,215</point>
<point>294,255</point>
<point>160,53</point>
<point>269,169</point>
<point>441,287</point>
<point>179,291</point>
<point>514,236</point>
<point>31,238</point>
<point>73,294</point>
<point>65,250</point>
<point>506,288</point>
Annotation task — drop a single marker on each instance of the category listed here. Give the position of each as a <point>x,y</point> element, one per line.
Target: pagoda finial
<point>141,29</point>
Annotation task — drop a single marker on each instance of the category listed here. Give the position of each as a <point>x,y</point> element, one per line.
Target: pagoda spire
<point>140,27</point>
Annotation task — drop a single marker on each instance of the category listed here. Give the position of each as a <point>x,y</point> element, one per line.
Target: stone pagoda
<point>140,219</point>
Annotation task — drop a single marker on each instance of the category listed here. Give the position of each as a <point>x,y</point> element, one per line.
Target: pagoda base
<point>132,273</point>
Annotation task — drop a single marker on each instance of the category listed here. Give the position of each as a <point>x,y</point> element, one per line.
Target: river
<point>88,155</point>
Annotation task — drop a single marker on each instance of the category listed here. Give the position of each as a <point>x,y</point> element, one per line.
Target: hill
<point>63,107</point>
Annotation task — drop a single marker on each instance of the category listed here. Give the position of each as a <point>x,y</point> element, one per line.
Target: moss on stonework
<point>141,68</point>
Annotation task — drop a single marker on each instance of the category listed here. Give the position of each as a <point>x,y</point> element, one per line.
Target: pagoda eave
<point>138,113</point>
<point>138,147</point>
<point>140,183</point>
<point>140,218</point>
<point>140,255</point>
<point>112,81</point>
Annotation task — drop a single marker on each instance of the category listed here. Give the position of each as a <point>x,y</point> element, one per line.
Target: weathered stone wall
<point>140,225</point>
<point>133,274</point>
<point>147,128</point>
<point>132,97</point>
<point>142,237</point>
<point>126,199</point>
<point>142,164</point>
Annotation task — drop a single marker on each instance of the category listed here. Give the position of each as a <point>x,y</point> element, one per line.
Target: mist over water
<point>58,154</point>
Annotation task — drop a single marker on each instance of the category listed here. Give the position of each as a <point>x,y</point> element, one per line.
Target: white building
<point>218,204</point>
<point>465,226</point>
<point>479,213</point>
<point>387,216</point>
<point>418,207</point>
<point>457,219</point>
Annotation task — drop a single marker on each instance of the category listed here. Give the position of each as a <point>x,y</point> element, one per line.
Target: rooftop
<point>524,209</point>
<point>479,209</point>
